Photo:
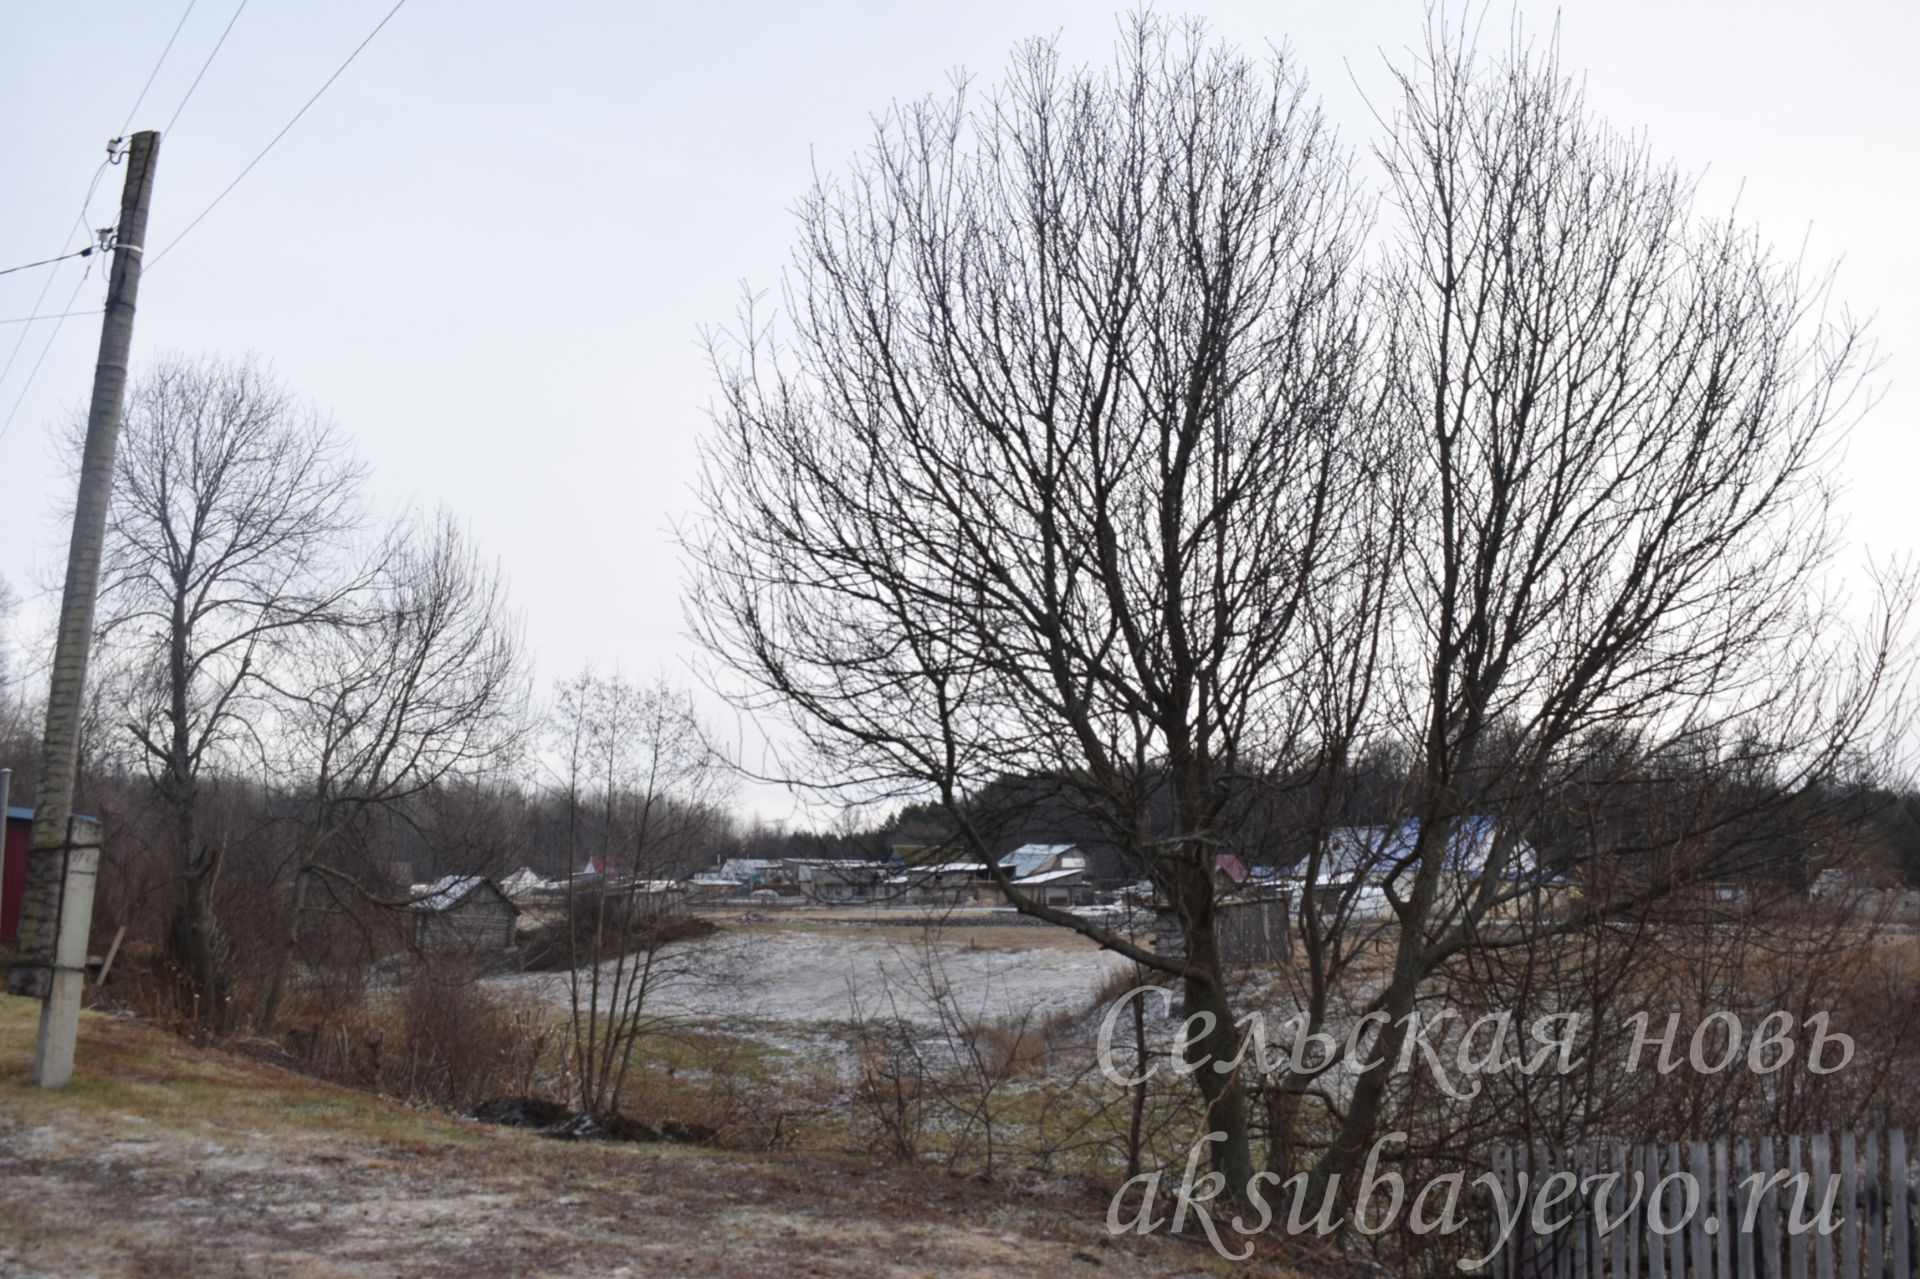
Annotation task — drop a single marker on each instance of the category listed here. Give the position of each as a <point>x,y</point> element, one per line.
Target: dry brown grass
<point>193,1161</point>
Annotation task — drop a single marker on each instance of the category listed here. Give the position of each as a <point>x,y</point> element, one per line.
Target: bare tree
<point>638,756</point>
<point>232,506</point>
<point>424,684</point>
<point>1061,467</point>
<point>1093,449</point>
<point>1613,422</point>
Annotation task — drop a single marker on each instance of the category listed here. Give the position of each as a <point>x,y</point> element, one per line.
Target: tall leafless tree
<point>1613,422</point>
<point>1105,439</point>
<point>232,507</point>
<point>425,684</point>
<point>1064,464</point>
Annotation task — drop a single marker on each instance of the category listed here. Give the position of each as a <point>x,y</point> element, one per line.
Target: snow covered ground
<point>788,974</point>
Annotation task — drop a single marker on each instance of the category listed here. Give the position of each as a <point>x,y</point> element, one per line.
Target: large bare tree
<point>1103,439</point>
<point>423,685</point>
<point>1063,464</point>
<point>1613,421</point>
<point>233,511</point>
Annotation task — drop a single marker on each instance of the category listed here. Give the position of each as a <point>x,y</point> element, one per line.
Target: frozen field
<point>816,974</point>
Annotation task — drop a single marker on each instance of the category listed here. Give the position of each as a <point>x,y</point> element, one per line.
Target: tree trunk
<point>195,938</point>
<point>283,959</point>
<point>1206,992</point>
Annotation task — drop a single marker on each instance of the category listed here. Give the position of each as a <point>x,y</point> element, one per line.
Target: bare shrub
<point>441,1039</point>
<point>627,922</point>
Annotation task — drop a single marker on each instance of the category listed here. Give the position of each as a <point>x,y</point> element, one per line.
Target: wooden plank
<point>1767,1224</point>
<point>1899,1258</point>
<point>1796,1238</point>
<point>1635,1165</point>
<point>1727,1230</point>
<point>1497,1264</point>
<point>1849,1207</point>
<point>1517,1241</point>
<point>1703,1206</point>
<point>1597,1242</point>
<point>1583,1222</point>
<point>1656,1243</point>
<point>1743,1197</point>
<point>1822,1169</point>
<point>1904,1187</point>
<point>1539,1255</point>
<point>1563,1239</point>
<point>1616,1205</point>
<point>106,965</point>
<point>1873,1226</point>
<point>1676,1212</point>
<point>1913,1216</point>
<point>1535,1258</point>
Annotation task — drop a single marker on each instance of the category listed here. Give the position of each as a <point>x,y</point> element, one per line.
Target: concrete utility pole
<point>57,908</point>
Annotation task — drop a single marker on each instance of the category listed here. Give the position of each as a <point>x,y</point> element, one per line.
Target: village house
<point>942,883</point>
<point>1052,874</point>
<point>1358,864</point>
<point>462,913</point>
<point>836,880</point>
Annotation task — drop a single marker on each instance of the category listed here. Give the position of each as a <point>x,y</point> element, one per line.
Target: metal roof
<point>1385,852</point>
<point>448,891</point>
<point>22,813</point>
<point>1026,859</point>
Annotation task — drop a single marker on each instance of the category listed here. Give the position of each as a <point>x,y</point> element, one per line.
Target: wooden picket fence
<point>1868,1174</point>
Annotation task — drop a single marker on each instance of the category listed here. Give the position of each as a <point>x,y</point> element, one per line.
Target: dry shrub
<point>1118,983</point>
<point>894,1091</point>
<point>441,1039</point>
<point>623,924</point>
<point>1016,1047</point>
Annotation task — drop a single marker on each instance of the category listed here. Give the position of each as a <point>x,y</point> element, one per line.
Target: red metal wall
<point>13,876</point>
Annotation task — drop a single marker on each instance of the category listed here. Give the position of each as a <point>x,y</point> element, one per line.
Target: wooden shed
<point>462,913</point>
<point>1249,930</point>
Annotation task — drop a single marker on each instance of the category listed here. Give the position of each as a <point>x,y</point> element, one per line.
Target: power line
<point>80,223</point>
<point>338,71</point>
<point>35,370</point>
<point>156,67</point>
<point>82,253</point>
<point>51,315</point>
<point>114,145</point>
<point>203,69</point>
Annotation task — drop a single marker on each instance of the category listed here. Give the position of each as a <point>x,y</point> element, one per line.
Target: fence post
<point>1616,1205</point>
<point>1875,1225</point>
<point>1702,1174</point>
<point>1723,1250</point>
<point>1768,1222</point>
<point>1796,1240</point>
<point>1676,1208</point>
<point>1497,1264</point>
<point>1656,1243</point>
<point>1743,1196</point>
<point>1850,1208</point>
<point>1822,1172</point>
<point>1898,1181</point>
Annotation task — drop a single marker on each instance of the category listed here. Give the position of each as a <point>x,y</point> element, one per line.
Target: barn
<point>462,913</point>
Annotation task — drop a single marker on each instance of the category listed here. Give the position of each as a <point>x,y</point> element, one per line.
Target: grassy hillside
<point>167,1159</point>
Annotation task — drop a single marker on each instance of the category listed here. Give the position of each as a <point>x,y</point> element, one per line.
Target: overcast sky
<point>488,250</point>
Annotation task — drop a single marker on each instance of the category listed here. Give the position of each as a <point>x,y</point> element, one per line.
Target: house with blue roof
<point>1364,862</point>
